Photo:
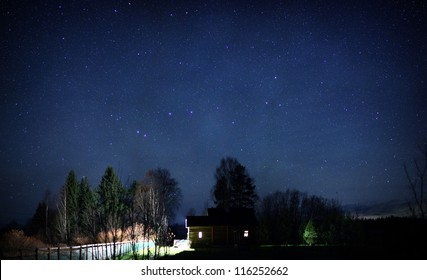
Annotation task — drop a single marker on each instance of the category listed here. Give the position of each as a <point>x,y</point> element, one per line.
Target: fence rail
<point>100,251</point>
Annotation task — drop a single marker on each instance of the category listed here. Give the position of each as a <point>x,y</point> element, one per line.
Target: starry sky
<point>327,97</point>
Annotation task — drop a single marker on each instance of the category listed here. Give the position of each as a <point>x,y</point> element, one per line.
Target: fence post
<point>37,253</point>
<point>80,252</point>
<point>59,253</point>
<point>71,252</point>
<point>48,253</point>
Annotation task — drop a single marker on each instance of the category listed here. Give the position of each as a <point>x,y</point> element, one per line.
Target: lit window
<point>200,234</point>
<point>246,233</point>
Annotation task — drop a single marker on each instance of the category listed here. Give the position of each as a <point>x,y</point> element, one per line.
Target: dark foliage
<point>234,188</point>
<point>283,217</point>
<point>417,179</point>
<point>391,232</point>
<point>42,224</point>
<point>168,191</point>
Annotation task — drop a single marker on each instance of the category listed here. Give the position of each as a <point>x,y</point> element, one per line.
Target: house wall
<point>236,235</point>
<point>205,241</point>
<point>220,236</point>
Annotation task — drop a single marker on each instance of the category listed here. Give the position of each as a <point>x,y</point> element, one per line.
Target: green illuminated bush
<point>310,234</point>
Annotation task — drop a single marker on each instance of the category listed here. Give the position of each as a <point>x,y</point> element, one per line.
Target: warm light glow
<point>246,233</point>
<point>200,234</point>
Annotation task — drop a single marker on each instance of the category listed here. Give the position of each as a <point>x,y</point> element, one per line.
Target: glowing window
<point>246,233</point>
<point>200,234</point>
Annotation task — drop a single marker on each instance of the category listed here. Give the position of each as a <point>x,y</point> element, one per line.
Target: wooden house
<point>235,227</point>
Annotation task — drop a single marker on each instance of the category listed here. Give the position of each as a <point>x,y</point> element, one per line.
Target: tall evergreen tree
<point>234,188</point>
<point>134,216</point>
<point>87,205</point>
<point>68,208</point>
<point>112,209</point>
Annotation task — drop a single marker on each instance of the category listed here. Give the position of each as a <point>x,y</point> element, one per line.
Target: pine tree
<point>234,187</point>
<point>86,214</point>
<point>310,234</point>
<point>68,209</point>
<point>112,210</point>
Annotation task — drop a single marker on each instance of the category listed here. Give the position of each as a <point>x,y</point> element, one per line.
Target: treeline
<point>293,217</point>
<point>284,217</point>
<point>396,232</point>
<point>110,212</point>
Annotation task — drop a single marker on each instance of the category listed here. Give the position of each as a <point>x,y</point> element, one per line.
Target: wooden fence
<point>101,251</point>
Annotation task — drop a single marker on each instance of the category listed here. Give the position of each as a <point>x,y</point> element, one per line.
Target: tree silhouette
<point>234,188</point>
<point>68,208</point>
<point>87,210</point>
<point>112,209</point>
<point>284,215</point>
<point>158,197</point>
<point>416,181</point>
<point>42,224</point>
<point>169,193</point>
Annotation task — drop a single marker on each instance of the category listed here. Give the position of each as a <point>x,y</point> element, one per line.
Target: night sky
<point>324,97</point>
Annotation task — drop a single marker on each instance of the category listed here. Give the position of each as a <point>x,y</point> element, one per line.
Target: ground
<point>304,253</point>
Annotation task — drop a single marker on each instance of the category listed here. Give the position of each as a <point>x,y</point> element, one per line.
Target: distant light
<point>137,132</point>
<point>246,233</point>
<point>200,234</point>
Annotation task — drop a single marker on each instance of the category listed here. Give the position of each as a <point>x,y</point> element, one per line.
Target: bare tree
<point>144,196</point>
<point>156,199</point>
<point>68,209</point>
<point>62,217</point>
<point>416,181</point>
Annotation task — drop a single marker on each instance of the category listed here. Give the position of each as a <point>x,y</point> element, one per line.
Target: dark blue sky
<point>324,97</point>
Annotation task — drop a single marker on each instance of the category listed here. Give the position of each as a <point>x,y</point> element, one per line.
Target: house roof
<point>220,217</point>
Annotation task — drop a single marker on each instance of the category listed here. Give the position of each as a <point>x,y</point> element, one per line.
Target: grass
<point>165,252</point>
<point>271,252</point>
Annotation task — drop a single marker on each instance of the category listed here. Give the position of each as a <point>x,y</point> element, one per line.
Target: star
<point>148,85</point>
